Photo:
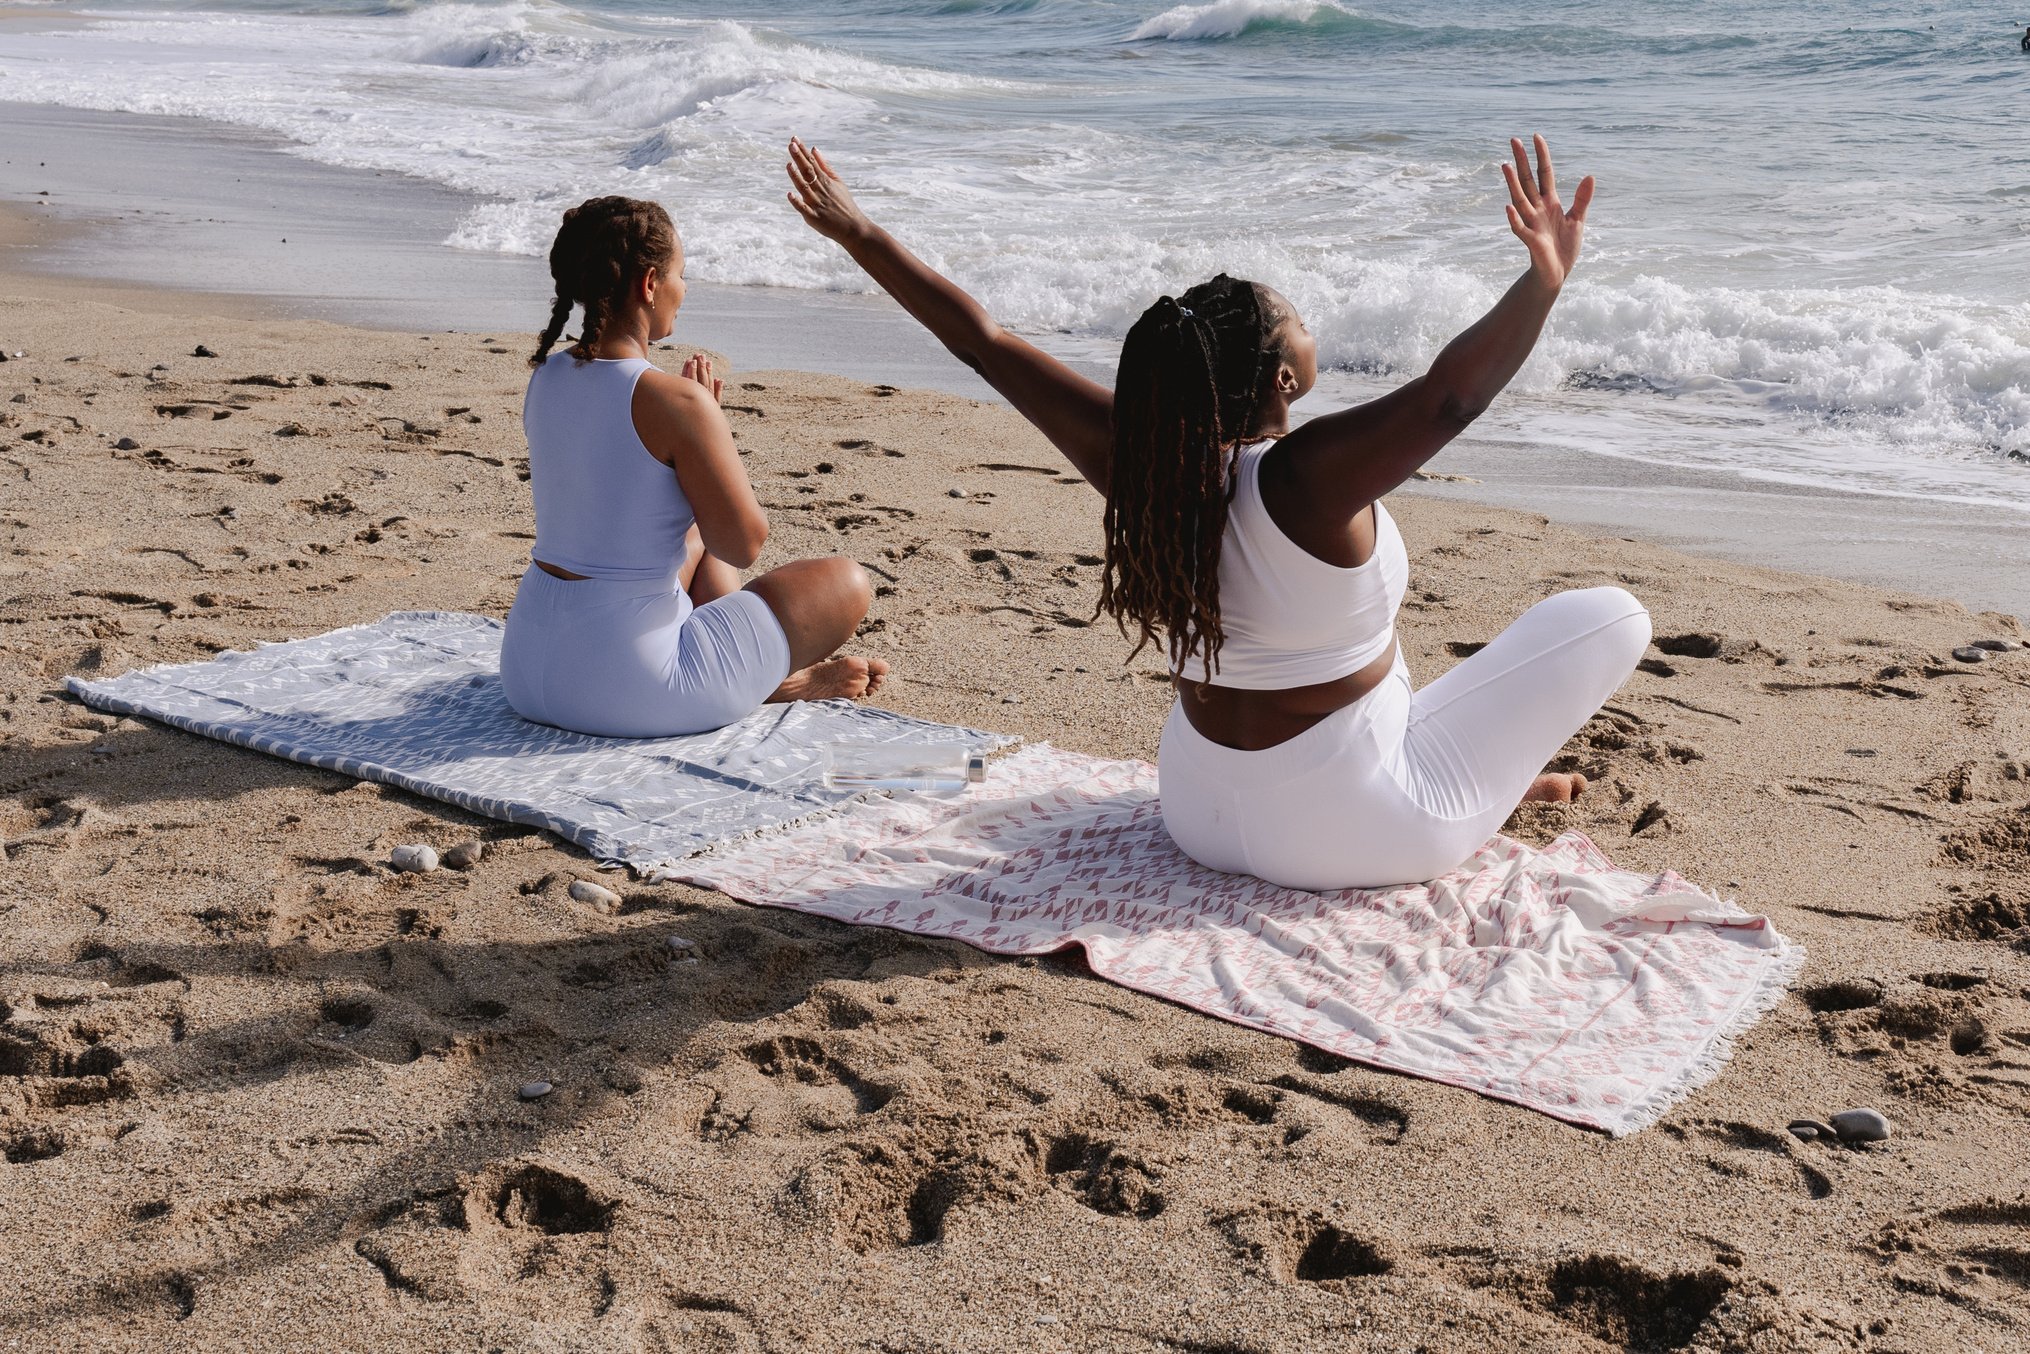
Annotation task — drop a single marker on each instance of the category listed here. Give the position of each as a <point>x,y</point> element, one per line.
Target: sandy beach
<point>257,1090</point>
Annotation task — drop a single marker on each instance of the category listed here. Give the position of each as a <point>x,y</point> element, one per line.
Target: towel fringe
<point>1773,985</point>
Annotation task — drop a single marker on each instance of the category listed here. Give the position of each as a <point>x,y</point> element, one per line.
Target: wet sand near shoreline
<point>139,203</point>
<point>256,1087</point>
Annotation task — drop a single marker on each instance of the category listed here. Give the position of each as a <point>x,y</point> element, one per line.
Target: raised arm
<point>1347,460</point>
<point>1076,414</point>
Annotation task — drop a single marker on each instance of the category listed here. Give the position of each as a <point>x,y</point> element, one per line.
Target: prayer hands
<point>698,367</point>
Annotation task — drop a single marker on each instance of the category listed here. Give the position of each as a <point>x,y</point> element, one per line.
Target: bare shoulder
<point>662,394</point>
<point>659,387</point>
<point>671,412</point>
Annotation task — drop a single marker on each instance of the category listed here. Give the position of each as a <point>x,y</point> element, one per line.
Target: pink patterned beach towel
<point>1547,978</point>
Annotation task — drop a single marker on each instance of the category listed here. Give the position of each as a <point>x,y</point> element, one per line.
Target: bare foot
<point>1556,787</point>
<point>851,678</point>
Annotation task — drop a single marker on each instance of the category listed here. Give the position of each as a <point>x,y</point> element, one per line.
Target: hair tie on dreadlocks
<point>1185,396</point>
<point>602,247</point>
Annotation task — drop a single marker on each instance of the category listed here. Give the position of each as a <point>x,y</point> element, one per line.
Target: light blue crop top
<point>605,508</point>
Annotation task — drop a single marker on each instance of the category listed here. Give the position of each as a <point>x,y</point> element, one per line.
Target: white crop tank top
<point>605,508</point>
<point>1290,618</point>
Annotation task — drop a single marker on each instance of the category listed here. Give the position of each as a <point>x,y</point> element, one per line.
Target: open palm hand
<point>820,195</point>
<point>1539,219</point>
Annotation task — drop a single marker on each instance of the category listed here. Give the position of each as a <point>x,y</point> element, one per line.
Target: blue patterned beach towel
<point>414,700</point>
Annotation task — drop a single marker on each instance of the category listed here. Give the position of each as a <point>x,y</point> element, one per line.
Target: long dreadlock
<point>604,244</point>
<point>1193,372</point>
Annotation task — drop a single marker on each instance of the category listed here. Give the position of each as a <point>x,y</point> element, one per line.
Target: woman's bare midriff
<point>1252,721</point>
<point>565,574</point>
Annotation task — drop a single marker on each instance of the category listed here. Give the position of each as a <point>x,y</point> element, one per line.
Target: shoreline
<point>1963,552</point>
<point>234,263</point>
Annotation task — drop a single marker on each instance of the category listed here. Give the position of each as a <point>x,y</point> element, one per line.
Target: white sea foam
<point>1070,224</point>
<point>1229,19</point>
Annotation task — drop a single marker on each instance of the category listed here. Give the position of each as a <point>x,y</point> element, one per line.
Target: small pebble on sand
<point>201,351</point>
<point>1861,1125</point>
<point>534,1090</point>
<point>956,492</point>
<point>465,855</point>
<point>1807,1130</point>
<point>680,944</point>
<point>1996,645</point>
<point>414,859</point>
<point>585,891</point>
<point>1967,653</point>
<point>126,444</point>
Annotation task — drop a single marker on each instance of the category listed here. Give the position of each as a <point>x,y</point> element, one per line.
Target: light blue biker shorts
<point>637,660</point>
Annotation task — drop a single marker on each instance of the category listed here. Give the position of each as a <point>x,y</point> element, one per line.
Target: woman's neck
<point>626,336</point>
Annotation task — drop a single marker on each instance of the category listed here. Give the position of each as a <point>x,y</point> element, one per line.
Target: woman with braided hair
<point>1266,565</point>
<point>631,621</point>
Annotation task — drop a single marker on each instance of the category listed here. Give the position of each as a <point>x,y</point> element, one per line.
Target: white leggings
<point>1401,787</point>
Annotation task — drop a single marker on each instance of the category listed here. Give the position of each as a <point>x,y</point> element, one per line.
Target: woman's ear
<point>1286,379</point>
<point>651,278</point>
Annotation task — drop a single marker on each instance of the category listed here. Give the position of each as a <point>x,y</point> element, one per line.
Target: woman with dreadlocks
<point>1264,561</point>
<point>631,621</point>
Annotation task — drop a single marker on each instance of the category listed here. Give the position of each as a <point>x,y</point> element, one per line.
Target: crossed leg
<point>1479,736</point>
<point>818,602</point>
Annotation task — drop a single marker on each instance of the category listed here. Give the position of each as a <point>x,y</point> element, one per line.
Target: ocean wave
<point>1933,375</point>
<point>468,50</point>
<point>1915,370</point>
<point>1061,220</point>
<point>1236,18</point>
<point>1918,371</point>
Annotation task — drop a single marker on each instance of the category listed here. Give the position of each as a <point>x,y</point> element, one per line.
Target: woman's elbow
<point>751,543</point>
<point>740,547</point>
<point>1457,412</point>
<point>965,353</point>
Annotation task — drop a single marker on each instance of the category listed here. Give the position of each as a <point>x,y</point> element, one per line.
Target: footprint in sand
<point>1974,1255</point>
<point>1751,1152</point>
<point>1940,1038</point>
<point>1989,916</point>
<point>1286,1246</point>
<point>804,1086</point>
<point>1998,842</point>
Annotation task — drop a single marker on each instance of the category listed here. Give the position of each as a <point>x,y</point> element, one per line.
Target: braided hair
<point>604,245</point>
<point>1193,372</point>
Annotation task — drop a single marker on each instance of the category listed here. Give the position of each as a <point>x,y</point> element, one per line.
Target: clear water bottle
<point>899,766</point>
